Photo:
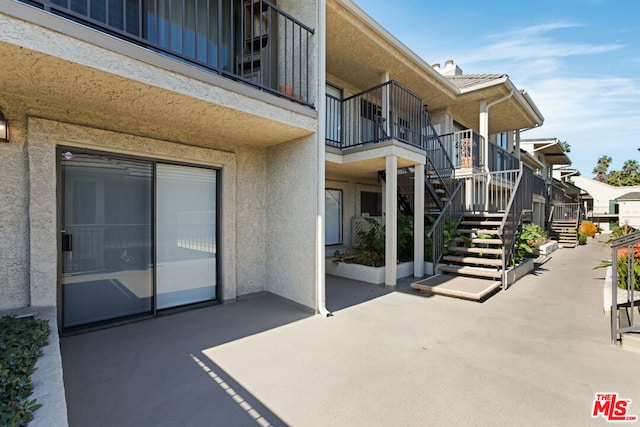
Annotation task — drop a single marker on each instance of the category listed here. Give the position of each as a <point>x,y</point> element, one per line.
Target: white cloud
<point>532,44</point>
<point>595,115</point>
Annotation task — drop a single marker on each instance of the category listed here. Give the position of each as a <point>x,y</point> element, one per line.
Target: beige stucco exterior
<point>69,85</point>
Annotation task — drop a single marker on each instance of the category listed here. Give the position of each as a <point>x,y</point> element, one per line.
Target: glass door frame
<point>155,312</point>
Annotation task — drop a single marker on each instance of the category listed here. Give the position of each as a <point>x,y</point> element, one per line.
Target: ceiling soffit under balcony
<point>181,110</point>
<point>360,50</point>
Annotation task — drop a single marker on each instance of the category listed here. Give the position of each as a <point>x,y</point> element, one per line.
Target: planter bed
<point>364,273</point>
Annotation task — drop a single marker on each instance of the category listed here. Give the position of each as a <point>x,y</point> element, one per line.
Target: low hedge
<point>21,342</point>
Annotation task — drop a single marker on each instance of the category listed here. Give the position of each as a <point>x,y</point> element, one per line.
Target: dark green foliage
<point>21,340</point>
<point>582,239</point>
<point>448,233</point>
<point>373,241</point>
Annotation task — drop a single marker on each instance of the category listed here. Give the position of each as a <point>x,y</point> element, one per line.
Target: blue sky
<point>578,59</point>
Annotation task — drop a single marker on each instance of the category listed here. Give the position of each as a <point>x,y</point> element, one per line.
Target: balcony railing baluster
<point>252,41</point>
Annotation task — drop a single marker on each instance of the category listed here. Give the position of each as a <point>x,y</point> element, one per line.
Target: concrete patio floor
<point>533,355</point>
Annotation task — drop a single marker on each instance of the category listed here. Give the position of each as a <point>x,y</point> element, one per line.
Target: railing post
<point>614,296</point>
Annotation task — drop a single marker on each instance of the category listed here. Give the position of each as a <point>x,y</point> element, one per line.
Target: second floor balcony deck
<point>383,113</point>
<point>250,41</point>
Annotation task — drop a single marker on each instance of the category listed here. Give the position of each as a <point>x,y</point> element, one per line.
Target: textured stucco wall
<point>14,219</point>
<point>250,232</point>
<point>291,220</point>
<point>44,135</point>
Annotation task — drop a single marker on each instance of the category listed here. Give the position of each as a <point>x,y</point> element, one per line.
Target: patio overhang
<point>109,83</point>
<point>359,51</point>
<point>365,161</point>
<point>516,110</point>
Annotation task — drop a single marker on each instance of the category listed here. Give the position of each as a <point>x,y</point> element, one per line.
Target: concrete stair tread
<point>473,260</point>
<point>488,251</point>
<point>487,222</point>
<point>484,215</point>
<point>479,241</point>
<point>477,231</point>
<point>471,271</point>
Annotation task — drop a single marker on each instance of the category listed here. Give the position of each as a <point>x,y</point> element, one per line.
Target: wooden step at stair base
<point>468,288</point>
<point>473,260</point>
<point>631,342</point>
<point>471,271</point>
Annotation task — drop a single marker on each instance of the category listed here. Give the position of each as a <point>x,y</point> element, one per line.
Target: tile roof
<point>470,80</point>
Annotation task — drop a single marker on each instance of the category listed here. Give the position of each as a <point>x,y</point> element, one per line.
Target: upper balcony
<point>250,41</point>
<point>383,113</point>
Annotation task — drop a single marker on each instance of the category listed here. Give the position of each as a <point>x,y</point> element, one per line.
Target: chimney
<point>450,69</point>
<point>436,67</point>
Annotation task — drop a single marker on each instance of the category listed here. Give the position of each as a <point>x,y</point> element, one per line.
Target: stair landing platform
<point>469,288</point>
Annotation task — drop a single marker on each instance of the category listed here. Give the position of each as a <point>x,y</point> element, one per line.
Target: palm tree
<point>630,167</point>
<point>600,171</point>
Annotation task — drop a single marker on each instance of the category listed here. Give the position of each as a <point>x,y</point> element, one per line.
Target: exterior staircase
<point>476,250</point>
<point>565,232</point>
<point>435,193</point>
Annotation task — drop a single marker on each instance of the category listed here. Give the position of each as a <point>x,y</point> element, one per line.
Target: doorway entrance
<point>137,236</point>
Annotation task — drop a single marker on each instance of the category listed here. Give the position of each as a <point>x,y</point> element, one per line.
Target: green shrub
<point>582,238</point>
<point>21,340</point>
<point>623,278</point>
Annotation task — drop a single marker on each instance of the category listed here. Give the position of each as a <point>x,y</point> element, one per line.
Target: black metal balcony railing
<point>334,122</point>
<point>252,41</point>
<point>539,186</point>
<point>501,160</point>
<point>464,148</point>
<point>385,112</point>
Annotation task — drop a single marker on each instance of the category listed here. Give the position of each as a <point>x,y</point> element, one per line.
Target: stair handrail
<point>630,243</point>
<point>508,228</point>
<point>454,208</point>
<point>448,164</point>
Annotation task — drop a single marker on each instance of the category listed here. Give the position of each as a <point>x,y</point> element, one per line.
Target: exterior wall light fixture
<point>4,129</point>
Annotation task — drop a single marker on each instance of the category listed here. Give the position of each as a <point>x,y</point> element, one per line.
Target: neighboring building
<point>608,205</point>
<point>629,209</point>
<point>543,155</point>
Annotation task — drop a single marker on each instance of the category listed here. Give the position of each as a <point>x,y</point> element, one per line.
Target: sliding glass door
<point>107,238</point>
<point>186,235</point>
<point>136,236</point>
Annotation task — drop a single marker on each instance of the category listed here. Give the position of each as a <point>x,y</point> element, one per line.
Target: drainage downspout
<point>486,125</point>
<point>484,131</point>
<point>321,135</point>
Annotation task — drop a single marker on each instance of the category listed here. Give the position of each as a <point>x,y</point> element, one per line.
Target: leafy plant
<point>623,274</point>
<point>373,243</point>
<point>622,268</point>
<point>449,233</point>
<point>534,235</point>
<point>521,248</point>
<point>405,237</point>
<point>582,238</point>
<point>21,340</point>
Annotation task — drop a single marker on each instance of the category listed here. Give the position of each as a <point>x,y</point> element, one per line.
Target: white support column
<point>418,221</point>
<point>517,143</point>
<point>391,221</point>
<point>484,133</point>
